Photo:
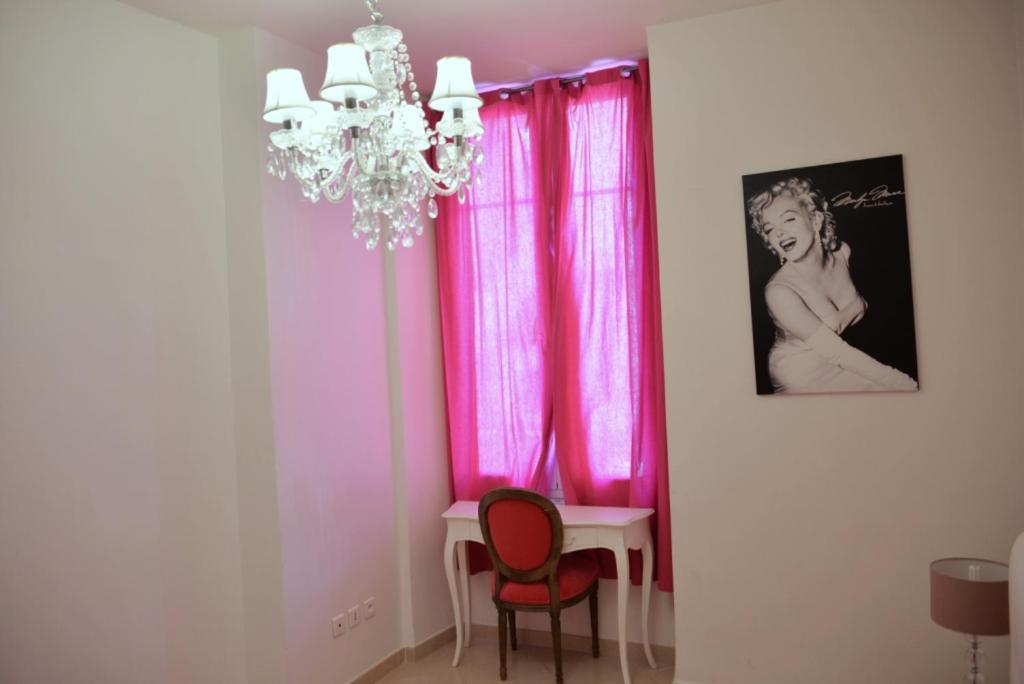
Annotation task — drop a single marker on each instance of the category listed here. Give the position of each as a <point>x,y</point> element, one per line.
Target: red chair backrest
<point>522,531</point>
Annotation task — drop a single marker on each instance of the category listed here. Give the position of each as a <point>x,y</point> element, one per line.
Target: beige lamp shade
<point>971,596</point>
<point>471,124</point>
<point>348,76</point>
<point>454,88</point>
<point>286,97</point>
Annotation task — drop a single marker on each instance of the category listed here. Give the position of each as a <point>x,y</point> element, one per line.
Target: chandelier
<point>374,142</point>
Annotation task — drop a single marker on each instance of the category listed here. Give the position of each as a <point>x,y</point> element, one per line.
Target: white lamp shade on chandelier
<point>374,144</point>
<point>454,88</point>
<point>411,124</point>
<point>348,75</point>
<point>286,97</point>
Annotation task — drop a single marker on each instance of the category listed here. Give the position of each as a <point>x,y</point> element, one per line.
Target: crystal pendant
<point>432,208</point>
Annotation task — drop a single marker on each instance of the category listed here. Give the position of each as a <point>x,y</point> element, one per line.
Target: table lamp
<point>971,596</point>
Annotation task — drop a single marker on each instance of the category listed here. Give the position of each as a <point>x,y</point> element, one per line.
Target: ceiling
<point>510,41</point>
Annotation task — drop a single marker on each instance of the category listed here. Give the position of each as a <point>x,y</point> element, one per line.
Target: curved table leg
<point>449,571</point>
<point>647,550</point>
<point>622,587</point>
<point>464,587</point>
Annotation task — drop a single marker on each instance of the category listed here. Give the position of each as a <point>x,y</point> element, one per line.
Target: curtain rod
<point>505,93</point>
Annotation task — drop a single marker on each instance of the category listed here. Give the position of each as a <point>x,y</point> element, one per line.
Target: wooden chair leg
<point>512,629</point>
<point>556,641</point>
<point>502,629</point>
<point>595,644</point>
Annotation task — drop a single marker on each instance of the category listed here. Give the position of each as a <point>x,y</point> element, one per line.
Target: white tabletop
<point>572,516</point>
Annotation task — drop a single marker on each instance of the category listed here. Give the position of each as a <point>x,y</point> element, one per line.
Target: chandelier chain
<point>375,14</point>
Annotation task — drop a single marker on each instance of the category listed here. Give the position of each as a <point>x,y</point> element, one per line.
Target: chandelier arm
<point>430,172</point>
<point>345,167</point>
<point>339,167</point>
<point>441,184</point>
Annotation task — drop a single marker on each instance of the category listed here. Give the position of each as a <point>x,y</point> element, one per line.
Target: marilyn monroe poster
<point>830,287</point>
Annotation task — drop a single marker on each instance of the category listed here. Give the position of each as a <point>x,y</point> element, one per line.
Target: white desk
<point>586,527</point>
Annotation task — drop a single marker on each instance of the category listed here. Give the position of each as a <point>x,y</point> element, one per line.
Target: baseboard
<point>409,654</point>
<point>430,644</point>
<point>378,671</point>
<point>575,642</point>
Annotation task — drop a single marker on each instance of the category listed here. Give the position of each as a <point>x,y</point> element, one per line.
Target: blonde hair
<point>807,196</point>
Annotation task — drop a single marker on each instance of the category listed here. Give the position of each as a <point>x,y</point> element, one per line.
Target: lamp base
<point>975,662</point>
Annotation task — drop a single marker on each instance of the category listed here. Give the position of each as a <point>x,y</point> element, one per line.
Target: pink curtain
<point>550,306</point>
<point>609,413</point>
<point>492,275</point>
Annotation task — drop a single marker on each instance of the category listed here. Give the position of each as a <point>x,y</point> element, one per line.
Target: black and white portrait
<point>830,288</point>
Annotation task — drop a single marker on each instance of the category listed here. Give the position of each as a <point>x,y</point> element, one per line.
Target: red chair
<point>523,534</point>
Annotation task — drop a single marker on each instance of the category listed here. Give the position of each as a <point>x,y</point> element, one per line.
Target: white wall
<point>118,502</point>
<point>256,465</point>
<point>329,387</point>
<point>358,414</point>
<point>803,526</point>
<point>419,436</point>
<point>166,306</point>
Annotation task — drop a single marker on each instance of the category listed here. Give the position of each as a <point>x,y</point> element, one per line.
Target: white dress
<point>795,367</point>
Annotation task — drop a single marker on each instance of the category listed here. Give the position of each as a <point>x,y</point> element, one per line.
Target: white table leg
<point>449,571</point>
<point>464,586</point>
<point>647,550</point>
<point>622,570</point>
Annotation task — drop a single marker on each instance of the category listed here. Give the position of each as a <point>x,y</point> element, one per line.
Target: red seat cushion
<point>576,572</point>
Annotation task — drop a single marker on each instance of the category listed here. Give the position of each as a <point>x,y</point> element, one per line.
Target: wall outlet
<point>370,607</point>
<point>339,623</point>
<point>353,617</point>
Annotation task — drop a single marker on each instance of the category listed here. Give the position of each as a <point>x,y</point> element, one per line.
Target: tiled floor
<point>528,665</point>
